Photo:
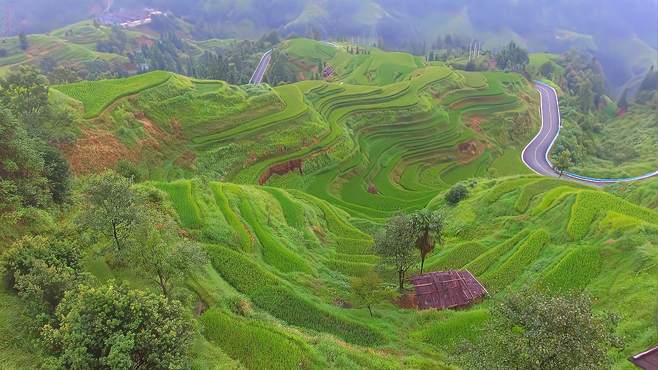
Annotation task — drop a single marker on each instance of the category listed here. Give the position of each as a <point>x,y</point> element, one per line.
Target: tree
<point>512,58</point>
<point>530,330</point>
<point>456,194</point>
<point>25,93</point>
<point>546,69</point>
<point>159,253</point>
<point>563,161</point>
<point>428,228</point>
<point>22,41</point>
<point>110,207</point>
<point>368,291</point>
<point>42,269</point>
<point>396,245</point>
<point>22,181</point>
<point>114,327</point>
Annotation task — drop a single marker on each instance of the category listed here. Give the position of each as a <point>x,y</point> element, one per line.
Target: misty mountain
<point>621,34</point>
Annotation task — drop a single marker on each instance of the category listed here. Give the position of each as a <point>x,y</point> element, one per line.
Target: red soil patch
<point>475,123</point>
<point>372,189</point>
<point>281,169</point>
<point>96,151</point>
<point>469,151</point>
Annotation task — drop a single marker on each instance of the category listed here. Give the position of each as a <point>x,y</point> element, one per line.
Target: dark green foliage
<point>42,269</point>
<point>562,161</point>
<point>111,327</point>
<point>530,330</point>
<point>512,58</point>
<point>456,194</point>
<point>22,181</point>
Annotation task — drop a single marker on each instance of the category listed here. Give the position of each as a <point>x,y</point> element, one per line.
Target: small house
<point>647,360</point>
<point>447,289</point>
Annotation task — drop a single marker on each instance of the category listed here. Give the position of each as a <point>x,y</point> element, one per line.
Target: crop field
<point>282,251</point>
<point>97,95</point>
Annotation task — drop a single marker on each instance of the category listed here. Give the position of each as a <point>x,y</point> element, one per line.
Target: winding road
<point>535,154</point>
<point>259,73</point>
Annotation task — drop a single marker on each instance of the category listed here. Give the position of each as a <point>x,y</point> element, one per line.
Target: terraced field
<point>291,255</point>
<point>371,149</point>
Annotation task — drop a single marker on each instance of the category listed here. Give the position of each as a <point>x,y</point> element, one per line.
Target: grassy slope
<point>511,233</point>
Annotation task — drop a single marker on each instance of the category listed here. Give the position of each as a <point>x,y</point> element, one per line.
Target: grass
<point>255,345</point>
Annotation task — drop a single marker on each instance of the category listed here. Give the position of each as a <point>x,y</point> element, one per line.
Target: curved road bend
<point>535,154</point>
<point>259,73</point>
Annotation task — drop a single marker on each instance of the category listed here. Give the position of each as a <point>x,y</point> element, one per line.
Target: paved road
<point>535,154</point>
<point>259,73</point>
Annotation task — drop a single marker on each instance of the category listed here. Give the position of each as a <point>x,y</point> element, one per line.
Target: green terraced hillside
<point>371,150</point>
<point>289,257</point>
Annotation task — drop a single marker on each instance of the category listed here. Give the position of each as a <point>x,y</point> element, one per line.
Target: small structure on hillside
<point>647,360</point>
<point>447,289</point>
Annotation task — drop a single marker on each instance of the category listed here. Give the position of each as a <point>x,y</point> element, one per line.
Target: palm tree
<point>428,228</point>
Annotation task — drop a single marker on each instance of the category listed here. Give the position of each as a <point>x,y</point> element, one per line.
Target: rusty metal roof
<point>647,360</point>
<point>447,289</point>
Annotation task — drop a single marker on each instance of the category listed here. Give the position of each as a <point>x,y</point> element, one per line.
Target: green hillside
<point>288,256</point>
<point>257,208</point>
<point>371,150</point>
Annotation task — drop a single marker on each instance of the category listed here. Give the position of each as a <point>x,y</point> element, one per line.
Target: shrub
<point>456,194</point>
<point>117,327</point>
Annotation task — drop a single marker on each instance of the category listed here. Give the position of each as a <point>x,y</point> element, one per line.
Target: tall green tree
<point>159,253</point>
<point>111,207</point>
<point>512,58</point>
<point>396,245</point>
<point>25,93</point>
<point>530,330</point>
<point>115,327</point>
<point>428,228</point>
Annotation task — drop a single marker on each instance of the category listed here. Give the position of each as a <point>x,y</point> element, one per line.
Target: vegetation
<point>116,327</point>
<point>270,217</point>
<point>533,331</point>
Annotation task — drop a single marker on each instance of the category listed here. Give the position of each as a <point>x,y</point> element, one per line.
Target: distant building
<point>447,289</point>
<point>647,360</point>
<point>128,18</point>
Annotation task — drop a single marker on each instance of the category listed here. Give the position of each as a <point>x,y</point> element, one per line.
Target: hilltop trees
<point>530,330</point>
<point>428,228</point>
<point>512,58</point>
<point>114,327</point>
<point>396,245</point>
